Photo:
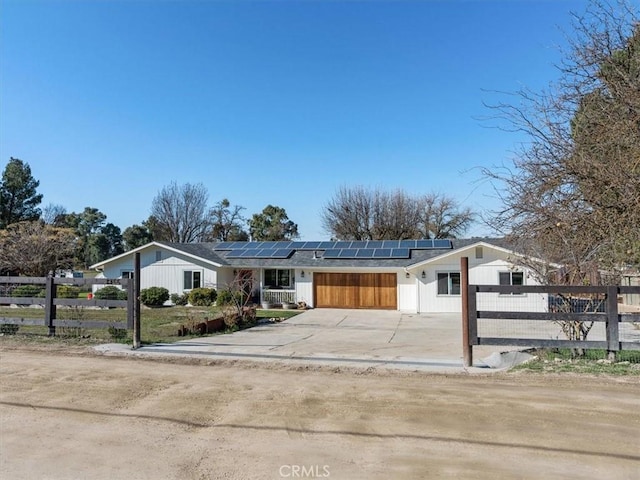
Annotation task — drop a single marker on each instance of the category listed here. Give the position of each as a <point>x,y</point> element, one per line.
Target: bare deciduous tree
<point>442,217</point>
<point>360,213</point>
<point>35,249</point>
<point>180,213</point>
<point>227,221</point>
<point>53,213</point>
<point>572,194</point>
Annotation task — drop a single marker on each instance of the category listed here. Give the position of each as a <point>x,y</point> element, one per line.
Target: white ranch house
<point>414,276</point>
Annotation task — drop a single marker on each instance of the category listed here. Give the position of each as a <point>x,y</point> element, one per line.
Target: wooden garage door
<point>355,290</point>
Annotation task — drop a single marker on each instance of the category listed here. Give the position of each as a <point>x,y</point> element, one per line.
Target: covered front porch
<point>272,286</point>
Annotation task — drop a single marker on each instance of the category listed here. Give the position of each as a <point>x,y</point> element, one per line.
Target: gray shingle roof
<point>307,259</point>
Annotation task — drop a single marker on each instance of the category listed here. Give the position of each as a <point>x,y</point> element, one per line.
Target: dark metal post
<point>613,342</point>
<point>467,349</point>
<point>50,306</point>
<point>136,302</point>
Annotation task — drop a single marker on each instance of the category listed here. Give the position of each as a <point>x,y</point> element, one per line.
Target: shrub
<point>118,334</point>
<point>28,291</point>
<point>9,329</point>
<point>67,291</point>
<point>110,292</point>
<point>180,300</point>
<point>154,296</point>
<point>202,297</point>
<point>227,297</point>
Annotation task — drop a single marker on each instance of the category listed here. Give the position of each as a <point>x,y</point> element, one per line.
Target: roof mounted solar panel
<point>365,253</point>
<point>311,245</point>
<point>382,253</point>
<point>442,243</point>
<point>342,244</point>
<point>282,253</point>
<point>390,243</point>
<point>348,253</point>
<point>426,243</point>
<point>359,244</point>
<point>407,244</point>
<point>400,253</point>
<point>331,253</point>
<point>297,245</point>
<point>325,245</point>
<point>374,244</point>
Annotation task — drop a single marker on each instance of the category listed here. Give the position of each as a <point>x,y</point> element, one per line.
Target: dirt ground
<point>83,416</point>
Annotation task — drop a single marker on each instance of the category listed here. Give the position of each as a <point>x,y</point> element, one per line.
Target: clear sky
<point>265,102</point>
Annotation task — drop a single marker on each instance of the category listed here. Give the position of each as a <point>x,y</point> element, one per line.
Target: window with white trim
<point>449,283</point>
<point>192,279</point>
<point>127,274</point>
<point>278,278</point>
<point>510,279</point>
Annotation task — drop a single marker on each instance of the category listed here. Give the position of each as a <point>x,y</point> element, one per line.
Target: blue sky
<point>265,102</point>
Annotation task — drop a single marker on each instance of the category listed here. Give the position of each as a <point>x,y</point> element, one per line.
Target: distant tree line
<point>361,213</point>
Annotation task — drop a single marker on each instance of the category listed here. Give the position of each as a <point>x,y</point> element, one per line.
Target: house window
<point>449,283</point>
<point>158,255</point>
<point>479,252</point>
<point>127,274</point>
<point>511,278</point>
<point>277,278</point>
<point>192,279</point>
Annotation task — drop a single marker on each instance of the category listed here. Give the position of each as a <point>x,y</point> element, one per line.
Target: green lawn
<point>157,324</point>
<point>593,362</point>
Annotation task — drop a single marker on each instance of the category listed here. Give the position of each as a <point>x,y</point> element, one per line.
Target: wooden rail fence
<point>607,312</point>
<point>50,301</point>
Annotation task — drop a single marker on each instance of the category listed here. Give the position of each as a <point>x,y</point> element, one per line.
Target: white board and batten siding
<point>304,286</point>
<point>482,271</point>
<point>164,268</point>
<point>407,292</point>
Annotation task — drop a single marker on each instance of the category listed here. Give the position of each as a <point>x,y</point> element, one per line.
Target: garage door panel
<point>356,290</point>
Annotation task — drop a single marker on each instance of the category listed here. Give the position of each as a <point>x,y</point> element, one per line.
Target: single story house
<point>408,275</point>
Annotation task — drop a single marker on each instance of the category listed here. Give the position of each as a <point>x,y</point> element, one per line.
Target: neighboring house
<point>407,275</point>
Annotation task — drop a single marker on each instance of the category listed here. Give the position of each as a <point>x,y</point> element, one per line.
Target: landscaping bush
<point>202,297</point>
<point>180,300</point>
<point>110,292</point>
<point>9,329</point>
<point>227,297</point>
<point>154,296</point>
<point>118,334</point>
<point>67,291</point>
<point>28,291</point>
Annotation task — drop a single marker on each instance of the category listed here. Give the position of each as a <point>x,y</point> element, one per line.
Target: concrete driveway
<point>350,338</point>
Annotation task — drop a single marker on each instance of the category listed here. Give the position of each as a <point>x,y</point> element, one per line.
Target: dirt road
<point>92,417</point>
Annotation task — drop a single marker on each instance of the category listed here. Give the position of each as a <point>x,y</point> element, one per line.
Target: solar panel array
<point>341,249</point>
<point>356,244</point>
<point>261,253</point>
<point>367,253</point>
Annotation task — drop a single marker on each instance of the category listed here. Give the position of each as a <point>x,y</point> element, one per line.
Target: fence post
<point>467,349</point>
<point>136,302</point>
<point>613,342</point>
<point>49,306</point>
<point>130,307</point>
